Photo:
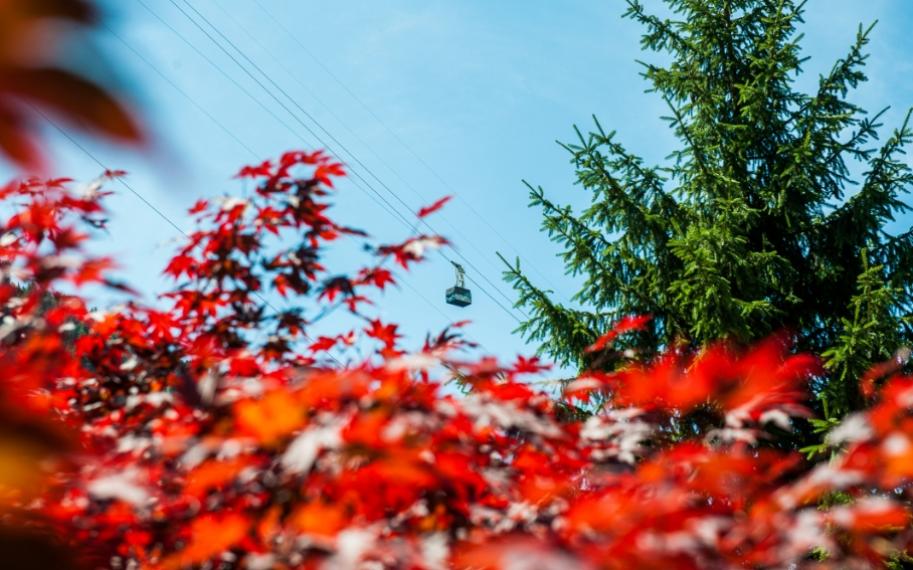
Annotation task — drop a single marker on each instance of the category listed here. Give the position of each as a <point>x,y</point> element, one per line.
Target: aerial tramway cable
<point>311,131</point>
<point>443,180</point>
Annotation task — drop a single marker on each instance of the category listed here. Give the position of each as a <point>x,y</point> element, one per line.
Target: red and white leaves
<point>413,249</point>
<point>242,444</point>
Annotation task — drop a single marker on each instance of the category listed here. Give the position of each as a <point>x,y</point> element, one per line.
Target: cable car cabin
<point>459,295</point>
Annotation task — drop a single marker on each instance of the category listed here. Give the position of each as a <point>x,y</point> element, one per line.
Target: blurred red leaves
<point>625,325</point>
<point>209,535</point>
<point>213,429</point>
<point>434,207</point>
<point>31,85</point>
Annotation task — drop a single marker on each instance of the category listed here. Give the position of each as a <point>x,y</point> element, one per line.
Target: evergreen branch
<point>843,76</point>
<point>539,199</point>
<point>564,332</point>
<point>648,177</point>
<point>662,32</point>
<point>877,200</point>
<point>608,278</point>
<point>679,120</point>
<point>744,229</point>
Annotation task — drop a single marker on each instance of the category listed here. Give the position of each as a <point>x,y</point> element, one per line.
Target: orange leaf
<point>319,519</point>
<point>210,535</point>
<point>270,418</point>
<point>213,474</point>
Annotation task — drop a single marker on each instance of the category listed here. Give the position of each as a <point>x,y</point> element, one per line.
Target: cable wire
<point>151,206</point>
<point>178,88</point>
<point>391,209</point>
<point>244,90</point>
<point>291,74</point>
<point>402,143</point>
<point>434,306</point>
<point>323,142</point>
<point>351,154</point>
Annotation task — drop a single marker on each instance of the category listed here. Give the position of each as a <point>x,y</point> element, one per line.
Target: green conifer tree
<point>770,216</point>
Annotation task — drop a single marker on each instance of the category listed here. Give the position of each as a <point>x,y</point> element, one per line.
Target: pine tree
<point>771,215</point>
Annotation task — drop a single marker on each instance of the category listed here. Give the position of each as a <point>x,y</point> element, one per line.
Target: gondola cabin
<point>459,295</point>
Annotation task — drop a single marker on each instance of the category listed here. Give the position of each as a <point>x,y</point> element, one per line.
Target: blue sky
<point>461,97</point>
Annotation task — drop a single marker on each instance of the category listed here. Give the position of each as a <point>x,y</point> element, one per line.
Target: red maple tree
<point>213,431</point>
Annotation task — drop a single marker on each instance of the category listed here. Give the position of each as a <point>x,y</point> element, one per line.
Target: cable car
<point>459,295</point>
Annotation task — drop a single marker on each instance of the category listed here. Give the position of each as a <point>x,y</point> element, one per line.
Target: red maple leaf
<point>264,169</point>
<point>323,343</point>
<point>529,365</point>
<point>379,277</point>
<point>384,333</point>
<point>430,209</point>
<point>627,324</point>
<point>199,206</point>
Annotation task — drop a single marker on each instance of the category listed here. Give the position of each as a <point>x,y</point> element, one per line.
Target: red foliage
<point>627,324</point>
<point>33,84</point>
<point>215,429</point>
<point>434,207</point>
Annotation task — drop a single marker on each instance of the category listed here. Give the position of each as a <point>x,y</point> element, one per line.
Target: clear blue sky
<point>478,90</point>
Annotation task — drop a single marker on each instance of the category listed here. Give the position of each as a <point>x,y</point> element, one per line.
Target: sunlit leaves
<point>271,417</point>
<point>209,535</point>
<point>214,429</point>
